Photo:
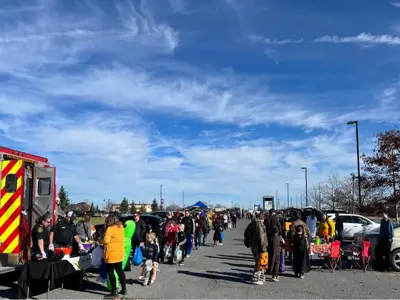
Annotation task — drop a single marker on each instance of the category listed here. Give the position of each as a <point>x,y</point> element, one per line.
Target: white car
<point>355,224</point>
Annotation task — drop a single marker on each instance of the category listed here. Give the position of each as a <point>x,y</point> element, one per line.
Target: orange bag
<point>262,263</point>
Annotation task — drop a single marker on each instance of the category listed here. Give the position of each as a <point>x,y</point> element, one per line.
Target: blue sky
<point>225,100</point>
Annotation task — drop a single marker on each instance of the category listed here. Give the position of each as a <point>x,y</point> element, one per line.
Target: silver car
<point>373,237</point>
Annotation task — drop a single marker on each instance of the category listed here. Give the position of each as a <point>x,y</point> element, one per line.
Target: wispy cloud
<point>362,38</point>
<point>99,87</point>
<point>395,4</point>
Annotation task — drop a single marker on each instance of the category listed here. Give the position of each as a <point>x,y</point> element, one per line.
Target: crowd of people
<point>268,233</point>
<point>171,243</point>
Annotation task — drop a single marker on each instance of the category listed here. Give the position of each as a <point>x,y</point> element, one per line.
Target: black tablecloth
<point>42,270</point>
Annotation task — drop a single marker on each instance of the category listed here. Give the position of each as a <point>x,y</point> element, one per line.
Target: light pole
<point>183,199</point>
<point>287,189</point>
<point>161,199</point>
<point>353,177</point>
<point>306,176</point>
<point>358,161</point>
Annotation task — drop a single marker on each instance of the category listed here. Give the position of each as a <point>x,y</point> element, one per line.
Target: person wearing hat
<point>64,233</point>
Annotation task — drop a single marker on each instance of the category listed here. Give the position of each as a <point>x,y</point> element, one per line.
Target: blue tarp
<point>200,204</point>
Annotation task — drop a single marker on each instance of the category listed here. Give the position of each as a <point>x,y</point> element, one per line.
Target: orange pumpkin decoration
<point>262,263</point>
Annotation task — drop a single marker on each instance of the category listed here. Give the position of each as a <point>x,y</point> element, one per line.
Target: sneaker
<point>141,278</point>
<point>145,283</point>
<point>101,280</point>
<point>152,281</point>
<point>275,279</point>
<point>302,276</point>
<point>188,256</point>
<point>181,264</point>
<point>258,282</point>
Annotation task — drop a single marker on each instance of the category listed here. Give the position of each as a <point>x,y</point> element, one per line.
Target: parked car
<point>163,214</point>
<point>355,223</point>
<point>373,237</point>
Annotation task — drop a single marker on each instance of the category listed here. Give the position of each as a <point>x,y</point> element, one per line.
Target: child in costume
<point>181,241</point>
<point>171,229</point>
<point>150,258</point>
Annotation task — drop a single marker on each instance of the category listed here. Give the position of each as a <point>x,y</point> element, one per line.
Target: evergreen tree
<point>154,205</point>
<point>64,199</point>
<point>133,208</point>
<point>124,208</point>
<point>92,208</point>
<point>142,209</point>
<point>97,209</point>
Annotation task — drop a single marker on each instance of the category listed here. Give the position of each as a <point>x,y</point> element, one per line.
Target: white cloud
<point>84,90</point>
<point>395,4</point>
<point>362,38</point>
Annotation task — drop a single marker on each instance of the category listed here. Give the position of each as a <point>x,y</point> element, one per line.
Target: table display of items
<point>323,248</point>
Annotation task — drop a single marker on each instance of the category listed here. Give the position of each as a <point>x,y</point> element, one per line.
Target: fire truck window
<point>11,183</point>
<point>44,186</point>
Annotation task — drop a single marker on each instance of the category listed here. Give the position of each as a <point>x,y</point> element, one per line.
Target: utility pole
<point>301,200</point>
<point>183,199</point>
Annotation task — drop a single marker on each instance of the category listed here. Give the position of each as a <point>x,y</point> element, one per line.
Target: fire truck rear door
<point>43,192</point>
<point>12,174</point>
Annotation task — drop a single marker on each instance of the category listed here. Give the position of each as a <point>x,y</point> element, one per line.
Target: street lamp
<point>287,189</point>
<point>358,161</point>
<point>306,176</point>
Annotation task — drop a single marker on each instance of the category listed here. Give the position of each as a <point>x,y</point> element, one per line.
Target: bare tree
<point>108,204</point>
<point>315,195</point>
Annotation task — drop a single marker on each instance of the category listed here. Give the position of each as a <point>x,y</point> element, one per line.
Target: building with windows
<point>139,207</point>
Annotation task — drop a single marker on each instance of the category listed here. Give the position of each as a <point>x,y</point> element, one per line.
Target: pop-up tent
<point>198,204</point>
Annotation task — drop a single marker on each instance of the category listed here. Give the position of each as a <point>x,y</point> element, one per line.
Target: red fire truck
<point>28,190</point>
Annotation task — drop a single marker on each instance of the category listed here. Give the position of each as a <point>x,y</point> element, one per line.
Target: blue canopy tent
<point>198,204</point>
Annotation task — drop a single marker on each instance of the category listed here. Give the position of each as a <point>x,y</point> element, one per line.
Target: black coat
<point>188,222</point>
<point>140,232</point>
<point>301,258</point>
<point>270,222</point>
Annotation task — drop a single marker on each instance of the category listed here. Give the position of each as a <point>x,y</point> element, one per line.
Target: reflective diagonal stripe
<point>10,207</point>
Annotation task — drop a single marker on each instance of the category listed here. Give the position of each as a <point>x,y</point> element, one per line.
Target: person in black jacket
<point>189,231</point>
<point>339,228</point>
<point>140,232</point>
<point>270,222</point>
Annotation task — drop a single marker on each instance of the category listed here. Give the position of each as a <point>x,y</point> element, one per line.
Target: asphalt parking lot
<point>225,272</point>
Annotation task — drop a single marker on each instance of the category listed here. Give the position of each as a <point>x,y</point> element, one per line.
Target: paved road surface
<point>226,272</point>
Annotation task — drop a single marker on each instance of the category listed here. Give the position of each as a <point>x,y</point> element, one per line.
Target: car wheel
<point>395,260</point>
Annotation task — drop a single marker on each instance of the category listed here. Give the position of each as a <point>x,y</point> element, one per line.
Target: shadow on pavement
<point>245,254</point>
<point>241,270</point>
<point>239,265</point>
<point>231,257</point>
<point>222,276</point>
<point>10,293</point>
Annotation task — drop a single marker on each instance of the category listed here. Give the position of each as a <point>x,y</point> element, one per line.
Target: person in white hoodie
<point>312,225</point>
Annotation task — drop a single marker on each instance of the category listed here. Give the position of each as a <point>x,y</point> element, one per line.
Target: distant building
<point>140,207</point>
